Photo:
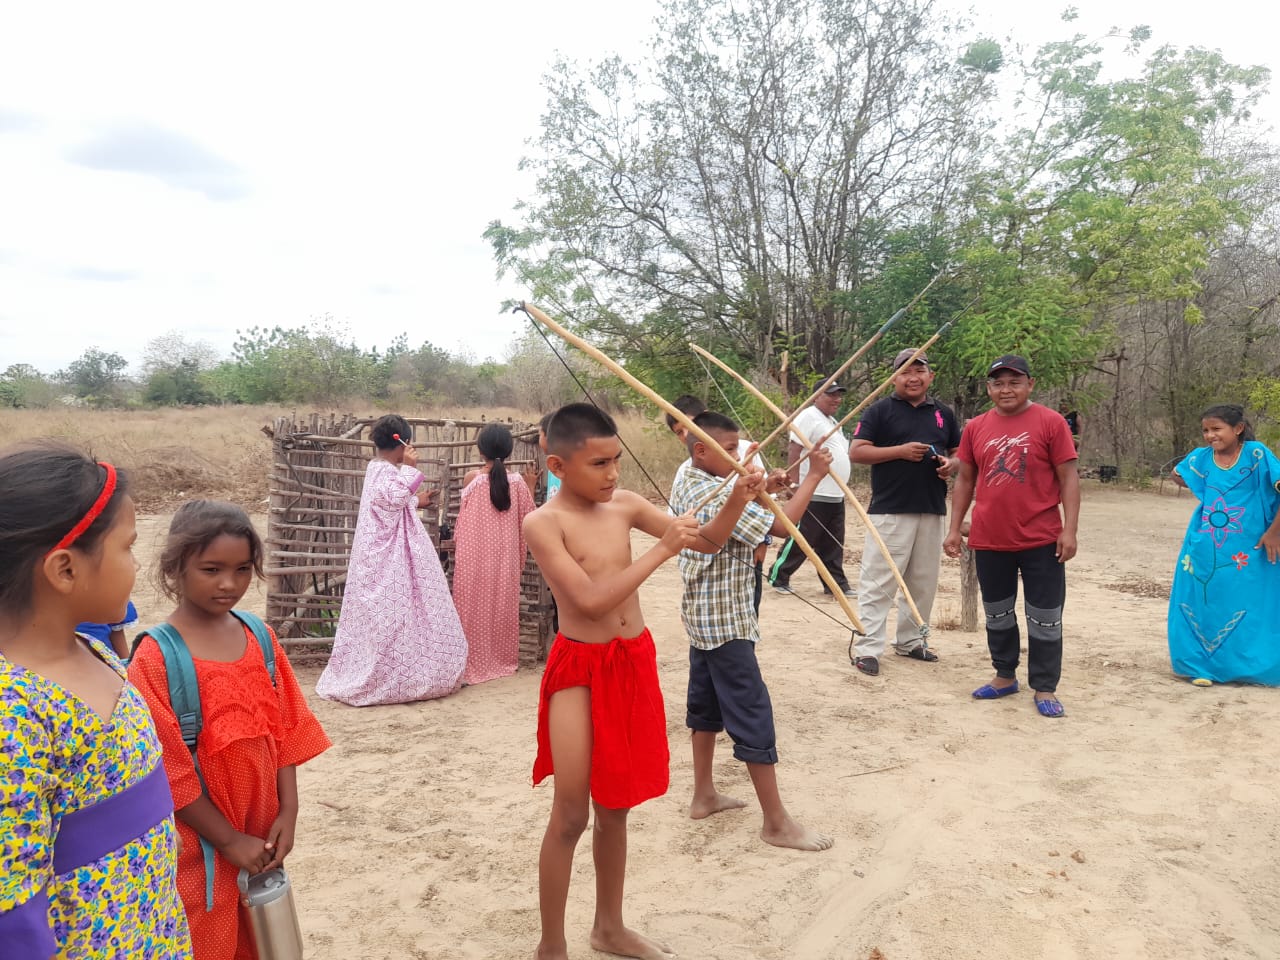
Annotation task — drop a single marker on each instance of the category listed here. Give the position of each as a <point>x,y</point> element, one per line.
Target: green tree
<point>316,365</point>
<point>22,385</point>
<point>721,189</point>
<point>177,370</point>
<point>180,384</point>
<point>1112,194</point>
<point>96,376</point>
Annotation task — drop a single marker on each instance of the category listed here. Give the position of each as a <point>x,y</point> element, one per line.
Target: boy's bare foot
<point>545,952</point>
<point>796,836</point>
<point>701,807</point>
<point>625,942</point>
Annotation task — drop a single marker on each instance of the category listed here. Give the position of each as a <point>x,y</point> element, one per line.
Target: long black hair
<point>495,444</point>
<point>46,487</point>
<point>1232,414</point>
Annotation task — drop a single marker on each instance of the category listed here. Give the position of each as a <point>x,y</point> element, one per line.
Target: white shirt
<point>813,425</point>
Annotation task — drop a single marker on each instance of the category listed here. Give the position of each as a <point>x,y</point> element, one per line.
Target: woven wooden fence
<point>317,475</point>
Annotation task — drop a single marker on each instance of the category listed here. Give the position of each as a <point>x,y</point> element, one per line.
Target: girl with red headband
<point>87,839</point>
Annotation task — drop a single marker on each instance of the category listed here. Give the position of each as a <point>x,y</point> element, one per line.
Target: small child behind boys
<point>113,635</point>
<point>601,724</point>
<point>726,690</point>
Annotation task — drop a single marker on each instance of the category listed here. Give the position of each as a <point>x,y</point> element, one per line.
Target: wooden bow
<point>644,390</point>
<point>844,487</point>
<point>866,401</point>
<point>786,420</point>
<point>884,385</point>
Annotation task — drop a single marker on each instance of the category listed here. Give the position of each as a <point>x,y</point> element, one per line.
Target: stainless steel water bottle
<point>267,898</point>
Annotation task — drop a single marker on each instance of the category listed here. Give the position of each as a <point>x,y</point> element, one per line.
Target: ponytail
<point>499,486</point>
<point>495,443</point>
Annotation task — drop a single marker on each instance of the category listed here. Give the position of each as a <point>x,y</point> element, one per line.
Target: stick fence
<point>315,481</point>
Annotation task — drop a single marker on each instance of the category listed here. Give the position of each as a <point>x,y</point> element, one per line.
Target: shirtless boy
<point>726,691</point>
<point>601,725</point>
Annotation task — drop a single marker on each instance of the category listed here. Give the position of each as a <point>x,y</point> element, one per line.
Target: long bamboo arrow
<point>844,487</point>
<point>875,337</point>
<point>644,390</point>
<point>884,385</point>
<point>787,420</point>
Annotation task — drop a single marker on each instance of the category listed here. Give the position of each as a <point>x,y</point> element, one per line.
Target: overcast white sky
<point>213,167</point>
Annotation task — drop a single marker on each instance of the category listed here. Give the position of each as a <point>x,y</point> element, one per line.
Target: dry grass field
<point>221,452</point>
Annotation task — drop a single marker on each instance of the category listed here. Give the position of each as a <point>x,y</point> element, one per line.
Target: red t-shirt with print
<point>1017,494</point>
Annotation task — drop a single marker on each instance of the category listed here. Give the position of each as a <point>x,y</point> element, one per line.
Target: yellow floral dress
<point>58,757</point>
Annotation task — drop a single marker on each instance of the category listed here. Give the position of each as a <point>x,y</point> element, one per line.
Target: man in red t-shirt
<point>1022,460</point>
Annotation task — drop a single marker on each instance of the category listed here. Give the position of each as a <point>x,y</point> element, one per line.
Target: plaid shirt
<point>717,586</point>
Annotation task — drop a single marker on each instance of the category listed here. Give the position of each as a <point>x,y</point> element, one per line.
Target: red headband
<point>95,511</point>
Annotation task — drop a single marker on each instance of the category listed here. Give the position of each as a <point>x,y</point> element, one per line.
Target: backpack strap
<point>184,692</point>
<point>263,635</point>
<point>184,698</point>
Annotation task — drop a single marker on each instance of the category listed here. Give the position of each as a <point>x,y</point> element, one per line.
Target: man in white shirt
<point>823,523</point>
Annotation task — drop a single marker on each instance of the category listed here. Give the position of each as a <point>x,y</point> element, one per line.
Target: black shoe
<point>868,665</point>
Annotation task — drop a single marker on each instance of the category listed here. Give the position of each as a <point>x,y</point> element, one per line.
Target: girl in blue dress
<point>87,857</point>
<point>1224,609</point>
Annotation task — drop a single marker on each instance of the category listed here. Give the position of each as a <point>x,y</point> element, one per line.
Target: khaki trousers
<point>915,543</point>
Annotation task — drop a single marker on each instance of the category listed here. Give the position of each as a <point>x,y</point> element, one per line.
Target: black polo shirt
<point>905,486</point>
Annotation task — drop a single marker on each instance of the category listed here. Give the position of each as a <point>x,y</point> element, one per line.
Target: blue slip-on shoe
<point>988,692</point>
<point>1051,707</point>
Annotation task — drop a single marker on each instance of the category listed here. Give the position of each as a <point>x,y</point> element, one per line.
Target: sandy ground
<point>1143,825</point>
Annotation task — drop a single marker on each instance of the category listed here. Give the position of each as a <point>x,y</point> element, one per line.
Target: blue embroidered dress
<point>1224,610</point>
<point>75,884</point>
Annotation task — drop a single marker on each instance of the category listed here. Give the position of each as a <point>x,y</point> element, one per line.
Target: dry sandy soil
<point>1143,825</point>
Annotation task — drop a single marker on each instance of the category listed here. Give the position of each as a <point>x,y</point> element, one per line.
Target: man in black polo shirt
<point>910,440</point>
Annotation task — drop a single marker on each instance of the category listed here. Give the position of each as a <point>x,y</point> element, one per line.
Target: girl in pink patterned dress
<point>489,557</point>
<point>399,638</point>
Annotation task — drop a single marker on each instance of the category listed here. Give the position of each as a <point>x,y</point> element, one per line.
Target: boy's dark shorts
<point>726,692</point>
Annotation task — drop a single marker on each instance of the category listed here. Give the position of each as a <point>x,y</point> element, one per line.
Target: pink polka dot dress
<point>488,560</point>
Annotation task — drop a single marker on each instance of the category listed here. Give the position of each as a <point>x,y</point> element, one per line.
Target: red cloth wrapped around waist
<point>630,755</point>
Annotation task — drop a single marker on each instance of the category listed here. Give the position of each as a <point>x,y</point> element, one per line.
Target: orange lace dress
<point>251,730</point>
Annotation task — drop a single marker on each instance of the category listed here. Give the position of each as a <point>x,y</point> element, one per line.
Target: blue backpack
<point>184,697</point>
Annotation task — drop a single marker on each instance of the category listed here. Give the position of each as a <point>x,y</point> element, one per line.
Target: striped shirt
<point>717,607</point>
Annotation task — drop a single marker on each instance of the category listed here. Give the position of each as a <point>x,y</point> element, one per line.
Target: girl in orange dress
<point>256,728</point>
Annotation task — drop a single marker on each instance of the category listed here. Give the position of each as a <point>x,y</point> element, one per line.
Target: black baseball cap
<point>905,355</point>
<point>1010,361</point>
<point>834,387</point>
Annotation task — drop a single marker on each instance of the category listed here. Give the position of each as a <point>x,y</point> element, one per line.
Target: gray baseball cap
<point>905,355</point>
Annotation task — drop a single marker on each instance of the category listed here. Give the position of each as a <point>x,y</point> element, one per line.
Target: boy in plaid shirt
<point>726,691</point>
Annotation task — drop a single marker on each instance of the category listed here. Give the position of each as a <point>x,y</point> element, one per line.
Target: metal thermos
<point>268,900</point>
